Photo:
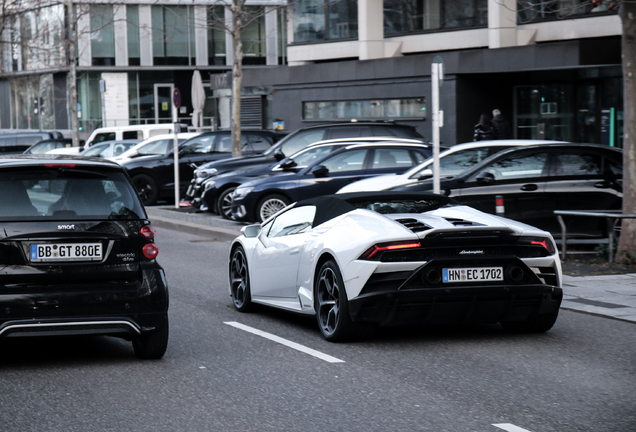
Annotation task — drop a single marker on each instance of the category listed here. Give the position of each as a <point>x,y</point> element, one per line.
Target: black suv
<point>291,144</point>
<point>78,254</point>
<point>153,174</point>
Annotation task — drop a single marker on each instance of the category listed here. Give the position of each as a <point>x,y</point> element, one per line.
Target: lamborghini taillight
<point>375,250</point>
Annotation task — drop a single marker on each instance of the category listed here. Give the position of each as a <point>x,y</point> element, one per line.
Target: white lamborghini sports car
<point>357,261</point>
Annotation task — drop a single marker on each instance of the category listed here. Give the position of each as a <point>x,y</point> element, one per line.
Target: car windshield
<point>403,206</point>
<point>67,194</point>
<point>305,158</point>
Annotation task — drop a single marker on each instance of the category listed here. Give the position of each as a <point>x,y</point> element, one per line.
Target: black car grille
<point>429,253</point>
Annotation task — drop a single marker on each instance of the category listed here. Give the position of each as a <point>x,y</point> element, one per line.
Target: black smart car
<point>534,181</point>
<point>78,254</point>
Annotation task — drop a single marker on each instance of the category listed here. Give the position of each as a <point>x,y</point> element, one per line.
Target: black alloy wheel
<point>331,305</point>
<point>240,281</point>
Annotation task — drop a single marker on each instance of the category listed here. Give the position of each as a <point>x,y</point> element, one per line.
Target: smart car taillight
<point>375,249</point>
<point>547,243</point>
<point>148,231</point>
<point>150,251</point>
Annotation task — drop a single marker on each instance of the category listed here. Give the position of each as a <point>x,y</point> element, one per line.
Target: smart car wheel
<point>331,306</point>
<point>271,205</point>
<point>240,281</point>
<point>152,345</point>
<point>538,324</point>
<point>146,188</point>
<point>224,203</point>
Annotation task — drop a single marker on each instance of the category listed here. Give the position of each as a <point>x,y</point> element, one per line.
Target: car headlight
<point>209,185</point>
<point>206,172</point>
<point>241,192</point>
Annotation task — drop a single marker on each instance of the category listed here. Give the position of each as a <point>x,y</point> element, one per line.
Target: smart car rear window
<point>67,194</point>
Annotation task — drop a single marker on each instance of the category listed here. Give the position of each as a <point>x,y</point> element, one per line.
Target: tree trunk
<point>627,246</point>
<point>71,79</point>
<point>237,76</point>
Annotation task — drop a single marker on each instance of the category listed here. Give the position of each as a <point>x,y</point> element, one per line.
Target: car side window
<point>382,131</point>
<point>347,132</point>
<point>309,156</point>
<point>568,164</point>
<point>294,221</point>
<point>419,157</point>
<point>158,147</point>
<point>301,140</point>
<point>132,135</point>
<point>257,143</point>
<point>454,163</point>
<point>517,167</point>
<point>224,144</point>
<point>352,160</point>
<point>391,158</point>
<point>201,145</point>
<point>107,136</point>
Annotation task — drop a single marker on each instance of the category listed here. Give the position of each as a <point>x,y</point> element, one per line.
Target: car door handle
<point>294,251</point>
<point>602,184</point>
<point>529,187</point>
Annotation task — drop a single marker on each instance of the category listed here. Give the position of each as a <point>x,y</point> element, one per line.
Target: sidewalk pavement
<point>612,296</point>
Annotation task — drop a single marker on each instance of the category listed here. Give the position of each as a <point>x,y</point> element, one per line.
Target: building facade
<point>552,68</point>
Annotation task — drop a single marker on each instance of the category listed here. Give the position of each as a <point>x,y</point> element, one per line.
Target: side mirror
<point>319,171</point>
<point>485,178</point>
<point>424,174</point>
<point>251,231</point>
<point>287,163</point>
<point>279,155</point>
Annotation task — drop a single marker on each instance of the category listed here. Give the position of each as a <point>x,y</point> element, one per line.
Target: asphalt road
<point>581,376</point>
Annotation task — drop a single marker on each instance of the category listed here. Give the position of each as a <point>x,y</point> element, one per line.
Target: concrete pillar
<point>271,35</point>
<point>145,35</point>
<point>370,29</point>
<point>502,23</point>
<point>84,35</point>
<point>201,35</point>
<point>229,40</point>
<point>121,35</point>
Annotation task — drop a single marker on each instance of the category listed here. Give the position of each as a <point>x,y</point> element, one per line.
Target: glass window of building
<point>536,10</point>
<point>408,16</point>
<point>173,41</point>
<point>216,35</point>
<point>253,36</point>
<point>132,25</point>
<point>413,108</point>
<point>102,35</point>
<point>318,20</point>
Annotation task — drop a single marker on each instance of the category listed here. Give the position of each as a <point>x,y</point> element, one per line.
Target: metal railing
<point>610,215</point>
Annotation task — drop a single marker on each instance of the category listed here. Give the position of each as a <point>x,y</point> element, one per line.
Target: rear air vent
<point>414,225</point>
<point>462,222</point>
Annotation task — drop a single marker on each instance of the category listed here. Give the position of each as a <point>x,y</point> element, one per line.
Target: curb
<point>221,234</point>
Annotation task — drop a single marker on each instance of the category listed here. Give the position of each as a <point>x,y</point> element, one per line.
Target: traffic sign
<point>176,98</point>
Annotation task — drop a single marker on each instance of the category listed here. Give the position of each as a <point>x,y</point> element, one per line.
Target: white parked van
<point>117,133</point>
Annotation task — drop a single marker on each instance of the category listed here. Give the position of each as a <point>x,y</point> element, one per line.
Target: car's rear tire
<point>537,324</point>
<point>224,203</point>
<point>152,345</point>
<point>240,281</point>
<point>332,307</point>
<point>270,205</point>
<point>146,188</point>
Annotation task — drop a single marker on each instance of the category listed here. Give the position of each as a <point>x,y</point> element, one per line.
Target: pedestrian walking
<point>484,129</point>
<point>501,125</point>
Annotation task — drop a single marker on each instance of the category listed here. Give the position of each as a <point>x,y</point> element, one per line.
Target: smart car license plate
<point>475,274</point>
<point>45,252</point>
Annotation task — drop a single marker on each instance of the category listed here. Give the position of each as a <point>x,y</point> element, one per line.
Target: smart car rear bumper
<point>445,305</point>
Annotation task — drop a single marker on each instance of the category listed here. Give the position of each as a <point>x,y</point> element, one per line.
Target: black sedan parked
<point>534,181</point>
<point>153,175</point>
<point>78,254</point>
<point>261,198</point>
<point>293,143</point>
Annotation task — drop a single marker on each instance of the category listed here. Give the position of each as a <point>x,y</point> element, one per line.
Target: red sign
<point>176,98</point>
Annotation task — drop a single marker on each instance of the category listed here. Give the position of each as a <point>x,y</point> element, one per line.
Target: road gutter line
<point>510,427</point>
<point>280,340</point>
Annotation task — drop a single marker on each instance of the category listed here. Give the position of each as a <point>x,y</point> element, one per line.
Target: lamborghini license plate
<point>478,274</point>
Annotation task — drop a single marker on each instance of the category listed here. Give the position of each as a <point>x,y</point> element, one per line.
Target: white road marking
<point>280,340</point>
<point>510,427</point>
